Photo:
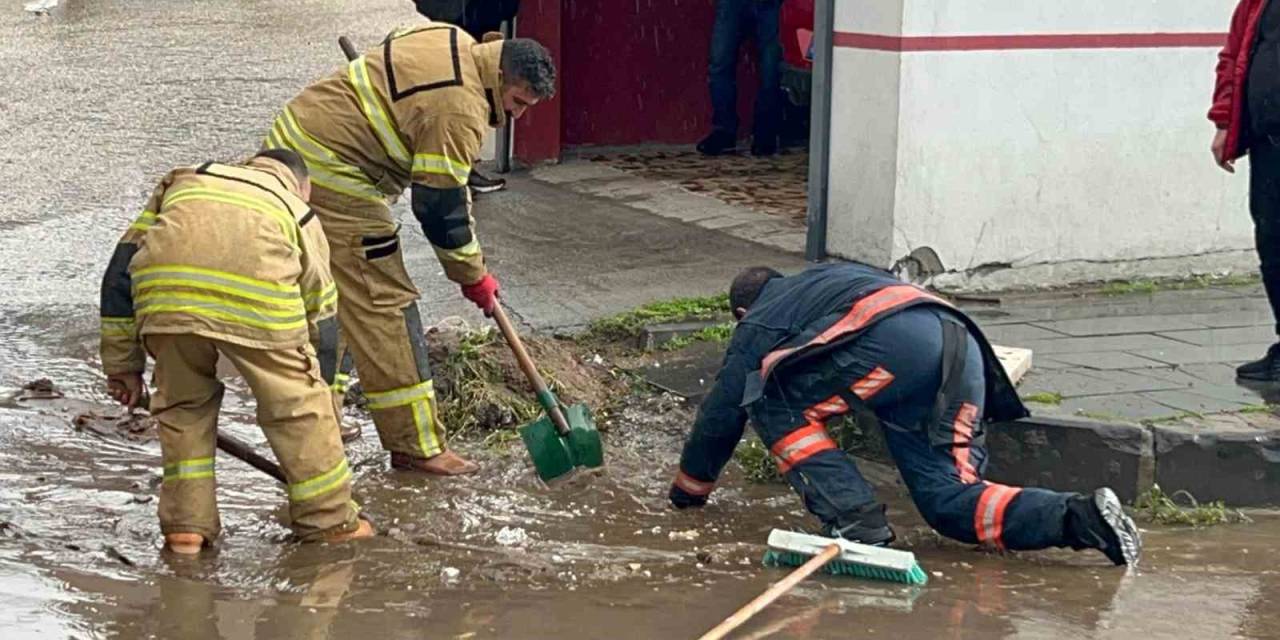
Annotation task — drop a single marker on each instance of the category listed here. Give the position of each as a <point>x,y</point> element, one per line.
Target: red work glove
<point>484,293</point>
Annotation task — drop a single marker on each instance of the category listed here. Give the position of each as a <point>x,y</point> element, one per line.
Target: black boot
<point>866,525</point>
<point>480,183</point>
<point>1267,369</point>
<point>1099,522</point>
<point>764,145</point>
<point>718,143</point>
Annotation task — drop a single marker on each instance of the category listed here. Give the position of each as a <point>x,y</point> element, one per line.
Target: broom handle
<point>530,371</point>
<point>348,49</point>
<point>773,593</point>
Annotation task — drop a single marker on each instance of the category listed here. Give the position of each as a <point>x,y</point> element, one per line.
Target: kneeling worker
<point>228,261</point>
<point>835,337</point>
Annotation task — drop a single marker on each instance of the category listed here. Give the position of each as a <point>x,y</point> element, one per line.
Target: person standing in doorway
<point>735,21</point>
<point>1246,110</point>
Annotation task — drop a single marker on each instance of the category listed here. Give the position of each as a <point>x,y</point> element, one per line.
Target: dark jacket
<point>800,318</point>
<point>476,17</point>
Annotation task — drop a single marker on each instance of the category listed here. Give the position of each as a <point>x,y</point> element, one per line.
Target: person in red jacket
<point>1246,110</point>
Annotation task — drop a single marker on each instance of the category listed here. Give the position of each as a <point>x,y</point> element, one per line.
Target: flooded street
<point>101,98</point>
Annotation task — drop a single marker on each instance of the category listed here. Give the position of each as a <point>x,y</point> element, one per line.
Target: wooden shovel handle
<point>773,593</point>
<point>527,366</point>
<point>348,49</point>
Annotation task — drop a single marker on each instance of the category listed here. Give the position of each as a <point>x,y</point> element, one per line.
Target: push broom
<point>830,555</point>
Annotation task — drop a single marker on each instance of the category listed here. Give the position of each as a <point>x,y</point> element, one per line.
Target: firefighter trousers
<point>379,323</point>
<point>294,410</point>
<point>934,433</point>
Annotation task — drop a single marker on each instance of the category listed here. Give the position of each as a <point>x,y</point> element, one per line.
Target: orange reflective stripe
<point>833,406</point>
<point>693,486</point>
<point>962,436</point>
<point>872,384</point>
<point>863,313</point>
<point>988,518</point>
<point>800,445</point>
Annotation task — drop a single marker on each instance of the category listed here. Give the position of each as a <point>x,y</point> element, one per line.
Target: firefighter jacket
<point>411,111</point>
<point>228,252</point>
<point>794,321</point>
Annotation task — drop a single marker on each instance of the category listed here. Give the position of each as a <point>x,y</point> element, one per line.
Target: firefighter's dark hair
<point>288,159</point>
<point>747,286</point>
<point>528,61</point>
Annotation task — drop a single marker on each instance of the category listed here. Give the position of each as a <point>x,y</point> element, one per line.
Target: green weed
<point>1157,506</point>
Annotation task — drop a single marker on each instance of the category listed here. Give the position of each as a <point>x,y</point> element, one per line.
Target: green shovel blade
<point>550,455</point>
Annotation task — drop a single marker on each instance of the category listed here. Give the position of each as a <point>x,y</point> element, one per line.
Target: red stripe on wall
<point>1029,41</point>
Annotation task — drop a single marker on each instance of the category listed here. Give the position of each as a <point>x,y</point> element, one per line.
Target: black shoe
<point>765,146</point>
<point>1099,522</point>
<point>1267,369</point>
<point>867,525</point>
<point>718,143</point>
<point>480,183</point>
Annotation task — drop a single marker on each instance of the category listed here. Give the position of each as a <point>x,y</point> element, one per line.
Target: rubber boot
<point>867,525</point>
<point>187,544</point>
<point>444,464</point>
<point>718,143</point>
<point>1099,522</point>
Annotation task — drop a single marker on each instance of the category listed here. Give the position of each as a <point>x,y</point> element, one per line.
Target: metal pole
<point>504,139</point>
<point>819,130</point>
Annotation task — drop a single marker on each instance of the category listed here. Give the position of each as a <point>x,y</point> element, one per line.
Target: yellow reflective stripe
<point>358,74</point>
<point>218,309</point>
<point>317,300</point>
<point>265,312</point>
<point>288,224</point>
<point>284,304</point>
<point>468,250</point>
<point>191,469</point>
<point>238,279</point>
<point>327,169</point>
<point>340,382</point>
<point>441,165</point>
<point>401,397</point>
<point>114,326</point>
<point>144,221</point>
<point>321,484</point>
<point>423,422</point>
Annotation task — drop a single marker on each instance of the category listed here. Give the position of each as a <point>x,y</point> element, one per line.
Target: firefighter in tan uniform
<point>410,112</point>
<point>228,261</point>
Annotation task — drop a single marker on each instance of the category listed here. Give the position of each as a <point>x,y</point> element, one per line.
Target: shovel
<point>566,437</point>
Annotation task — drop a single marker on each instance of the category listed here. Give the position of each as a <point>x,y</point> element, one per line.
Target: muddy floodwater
<point>100,98</point>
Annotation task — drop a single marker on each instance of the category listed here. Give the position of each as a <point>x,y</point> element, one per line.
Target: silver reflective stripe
<point>799,445</point>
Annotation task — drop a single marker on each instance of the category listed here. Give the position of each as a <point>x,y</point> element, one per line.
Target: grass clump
<point>1157,506</point>
<point>1044,397</point>
<point>756,461</point>
<point>629,324</point>
<point>714,333</point>
<point>1195,282</point>
<point>476,394</point>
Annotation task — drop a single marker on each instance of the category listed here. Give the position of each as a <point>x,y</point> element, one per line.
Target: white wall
<point>1068,165</point>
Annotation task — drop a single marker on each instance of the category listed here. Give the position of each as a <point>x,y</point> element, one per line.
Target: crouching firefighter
<point>835,338</point>
<point>409,113</point>
<point>227,261</point>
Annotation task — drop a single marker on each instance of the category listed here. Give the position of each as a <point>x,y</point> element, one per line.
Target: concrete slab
<point>1120,325</point>
<point>1072,455</point>
<point>1261,335</point>
<point>1106,360</point>
<point>1259,316</point>
<point>689,372</point>
<point>1239,465</point>
<point>1017,333</point>
<point>1073,383</point>
<point>1184,354</point>
<point>1130,343</point>
<point>1194,402</point>
<point>1119,407</point>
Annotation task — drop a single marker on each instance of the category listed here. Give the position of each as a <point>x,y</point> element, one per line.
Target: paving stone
<point>1115,408</point>
<point>1184,354</point>
<point>1072,383</point>
<point>1262,335</point>
<point>1214,374</point>
<point>1119,325</point>
<point>689,372</point>
<point>1190,400</point>
<point>1236,464</point>
<point>1109,360</point>
<point>1094,344</point>
<point>1260,316</point>
<point>1016,334</point>
<point>1072,455</point>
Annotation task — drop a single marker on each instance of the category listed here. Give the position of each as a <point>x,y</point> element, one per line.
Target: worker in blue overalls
<point>835,337</point>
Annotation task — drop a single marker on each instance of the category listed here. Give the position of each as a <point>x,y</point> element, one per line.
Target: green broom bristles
<point>914,576</point>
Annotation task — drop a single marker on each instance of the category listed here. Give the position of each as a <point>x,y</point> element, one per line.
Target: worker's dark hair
<point>748,284</point>
<point>288,159</point>
<point>527,60</point>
